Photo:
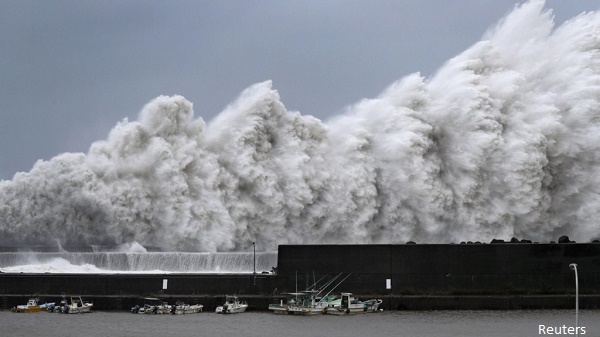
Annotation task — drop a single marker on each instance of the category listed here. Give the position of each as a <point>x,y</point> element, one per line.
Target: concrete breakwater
<point>446,269</point>
<point>409,277</point>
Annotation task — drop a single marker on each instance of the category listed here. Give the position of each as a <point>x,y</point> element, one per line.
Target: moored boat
<point>347,304</point>
<point>307,302</point>
<point>57,308</point>
<point>152,305</point>
<point>183,308</point>
<point>31,306</point>
<point>302,303</point>
<point>232,305</point>
<point>76,306</point>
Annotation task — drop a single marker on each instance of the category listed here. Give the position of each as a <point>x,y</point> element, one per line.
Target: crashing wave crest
<point>503,141</point>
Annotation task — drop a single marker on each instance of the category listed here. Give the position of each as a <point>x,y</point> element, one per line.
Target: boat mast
<point>336,286</point>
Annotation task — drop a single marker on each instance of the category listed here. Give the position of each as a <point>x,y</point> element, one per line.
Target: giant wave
<point>504,140</point>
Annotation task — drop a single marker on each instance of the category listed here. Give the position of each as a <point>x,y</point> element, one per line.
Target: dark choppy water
<point>264,324</point>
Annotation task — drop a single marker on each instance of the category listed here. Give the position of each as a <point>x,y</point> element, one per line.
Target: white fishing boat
<point>279,308</point>
<point>182,308</point>
<point>76,306</point>
<point>348,304</point>
<point>152,305</point>
<point>232,305</point>
<point>307,302</point>
<point>300,303</point>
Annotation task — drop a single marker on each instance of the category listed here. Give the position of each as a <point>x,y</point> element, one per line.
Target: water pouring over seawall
<point>502,142</point>
<point>154,262</point>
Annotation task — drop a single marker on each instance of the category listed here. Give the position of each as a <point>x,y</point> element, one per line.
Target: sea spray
<point>136,262</point>
<point>504,140</point>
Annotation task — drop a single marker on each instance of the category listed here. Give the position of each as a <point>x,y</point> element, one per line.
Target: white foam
<point>55,265</point>
<point>503,141</point>
<point>137,262</point>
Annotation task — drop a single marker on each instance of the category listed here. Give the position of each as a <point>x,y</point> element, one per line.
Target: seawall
<point>446,269</point>
<point>122,291</point>
<point>421,277</point>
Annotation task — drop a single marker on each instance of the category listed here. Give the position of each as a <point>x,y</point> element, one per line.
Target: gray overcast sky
<point>71,69</point>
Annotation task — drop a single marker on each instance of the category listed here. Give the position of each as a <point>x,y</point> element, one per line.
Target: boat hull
<point>306,311</point>
<point>278,309</point>
<point>360,308</point>
<point>72,309</point>
<point>188,309</point>
<point>32,306</point>
<point>342,311</point>
<point>28,309</point>
<point>153,311</point>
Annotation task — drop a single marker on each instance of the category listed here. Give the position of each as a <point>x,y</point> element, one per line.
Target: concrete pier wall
<point>444,269</point>
<point>137,284</point>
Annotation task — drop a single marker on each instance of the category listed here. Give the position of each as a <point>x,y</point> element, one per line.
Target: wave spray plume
<point>503,141</point>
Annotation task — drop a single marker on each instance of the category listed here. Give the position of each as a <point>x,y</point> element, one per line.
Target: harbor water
<point>265,324</point>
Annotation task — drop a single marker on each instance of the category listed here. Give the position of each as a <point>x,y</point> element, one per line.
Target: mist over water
<point>503,141</point>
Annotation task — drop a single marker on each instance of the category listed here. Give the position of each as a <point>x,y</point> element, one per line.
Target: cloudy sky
<point>71,69</point>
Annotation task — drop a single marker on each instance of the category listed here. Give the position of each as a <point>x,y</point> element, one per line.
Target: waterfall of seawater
<point>153,262</point>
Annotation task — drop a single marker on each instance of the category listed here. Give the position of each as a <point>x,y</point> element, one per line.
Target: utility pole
<point>573,266</point>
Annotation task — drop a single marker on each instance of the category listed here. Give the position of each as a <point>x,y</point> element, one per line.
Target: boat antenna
<point>315,284</point>
<point>329,283</point>
<point>335,287</point>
